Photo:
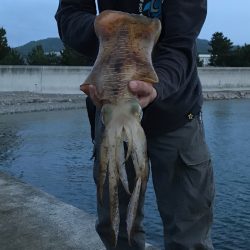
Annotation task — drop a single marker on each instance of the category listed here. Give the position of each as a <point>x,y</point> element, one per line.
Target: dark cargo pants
<point>183,181</point>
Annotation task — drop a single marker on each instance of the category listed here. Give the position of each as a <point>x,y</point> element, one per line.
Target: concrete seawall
<point>34,220</point>
<point>43,79</point>
<point>66,80</point>
<point>225,79</point>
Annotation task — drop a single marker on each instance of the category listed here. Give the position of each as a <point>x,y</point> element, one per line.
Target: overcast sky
<point>29,20</point>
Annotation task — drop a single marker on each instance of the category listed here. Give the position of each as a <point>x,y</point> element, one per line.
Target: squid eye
<point>106,113</point>
<point>136,110</point>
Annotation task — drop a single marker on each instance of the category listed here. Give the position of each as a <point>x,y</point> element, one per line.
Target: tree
<point>12,58</point>
<point>37,56</point>
<point>72,58</point>
<point>244,54</point>
<point>4,48</point>
<point>221,48</point>
<point>240,57</point>
<point>8,56</point>
<point>53,59</point>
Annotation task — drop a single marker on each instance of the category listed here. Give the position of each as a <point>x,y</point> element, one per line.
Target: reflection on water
<point>228,135</point>
<point>52,150</point>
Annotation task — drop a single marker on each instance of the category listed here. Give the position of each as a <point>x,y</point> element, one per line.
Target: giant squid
<point>126,42</point>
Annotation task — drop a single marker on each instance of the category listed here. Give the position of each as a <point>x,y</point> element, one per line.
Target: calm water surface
<point>52,151</point>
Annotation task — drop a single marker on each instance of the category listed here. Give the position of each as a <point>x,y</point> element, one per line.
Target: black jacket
<point>174,57</point>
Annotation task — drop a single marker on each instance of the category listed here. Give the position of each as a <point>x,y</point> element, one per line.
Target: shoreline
<point>22,102</point>
<point>226,94</point>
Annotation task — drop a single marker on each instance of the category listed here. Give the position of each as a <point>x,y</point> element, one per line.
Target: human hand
<point>144,91</point>
<point>94,96</point>
<point>90,90</point>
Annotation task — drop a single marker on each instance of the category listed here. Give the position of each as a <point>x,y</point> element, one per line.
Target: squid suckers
<point>126,42</point>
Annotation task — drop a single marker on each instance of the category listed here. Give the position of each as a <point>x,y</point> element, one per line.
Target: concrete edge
<point>32,219</point>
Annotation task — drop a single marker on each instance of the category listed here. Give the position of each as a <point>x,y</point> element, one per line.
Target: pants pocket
<point>196,166</point>
<point>196,150</point>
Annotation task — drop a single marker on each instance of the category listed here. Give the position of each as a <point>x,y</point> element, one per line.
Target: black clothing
<point>174,57</point>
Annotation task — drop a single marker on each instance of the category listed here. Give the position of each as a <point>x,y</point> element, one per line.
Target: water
<point>52,151</point>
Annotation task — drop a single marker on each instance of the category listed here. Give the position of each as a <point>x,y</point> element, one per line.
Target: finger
<point>144,101</point>
<point>85,88</point>
<point>140,88</point>
<point>147,99</point>
<point>94,96</point>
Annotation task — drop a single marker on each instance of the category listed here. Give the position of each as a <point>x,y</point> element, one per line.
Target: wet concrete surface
<point>34,220</point>
<point>31,219</point>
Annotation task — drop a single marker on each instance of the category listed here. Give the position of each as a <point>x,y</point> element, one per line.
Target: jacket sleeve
<point>174,56</point>
<point>75,20</point>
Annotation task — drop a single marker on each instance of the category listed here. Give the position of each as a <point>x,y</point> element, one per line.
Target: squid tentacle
<point>132,208</point>
<point>104,162</point>
<point>120,162</point>
<point>139,158</point>
<point>113,159</point>
<point>129,137</point>
<point>113,191</point>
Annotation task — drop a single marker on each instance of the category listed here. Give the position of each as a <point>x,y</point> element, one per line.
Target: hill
<point>202,46</point>
<point>55,45</point>
<point>49,45</point>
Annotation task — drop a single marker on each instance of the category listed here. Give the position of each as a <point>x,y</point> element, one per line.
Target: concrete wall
<point>66,80</point>
<point>43,79</point>
<point>223,79</point>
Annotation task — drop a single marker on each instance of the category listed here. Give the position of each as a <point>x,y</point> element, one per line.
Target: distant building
<point>58,53</point>
<point>205,58</point>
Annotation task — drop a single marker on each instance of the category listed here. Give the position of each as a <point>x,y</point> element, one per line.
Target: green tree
<point>240,57</point>
<point>12,58</point>
<point>53,59</point>
<point>4,48</point>
<point>244,55</point>
<point>72,58</point>
<point>37,56</point>
<point>8,56</point>
<point>221,48</point>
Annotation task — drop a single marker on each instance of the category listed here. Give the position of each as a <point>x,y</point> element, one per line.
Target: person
<point>181,165</point>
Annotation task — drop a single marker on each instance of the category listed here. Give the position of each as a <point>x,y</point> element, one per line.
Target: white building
<point>205,58</point>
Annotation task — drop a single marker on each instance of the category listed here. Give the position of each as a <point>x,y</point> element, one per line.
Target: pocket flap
<point>195,155</point>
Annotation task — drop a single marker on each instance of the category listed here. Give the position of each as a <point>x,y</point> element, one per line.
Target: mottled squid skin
<point>126,43</point>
